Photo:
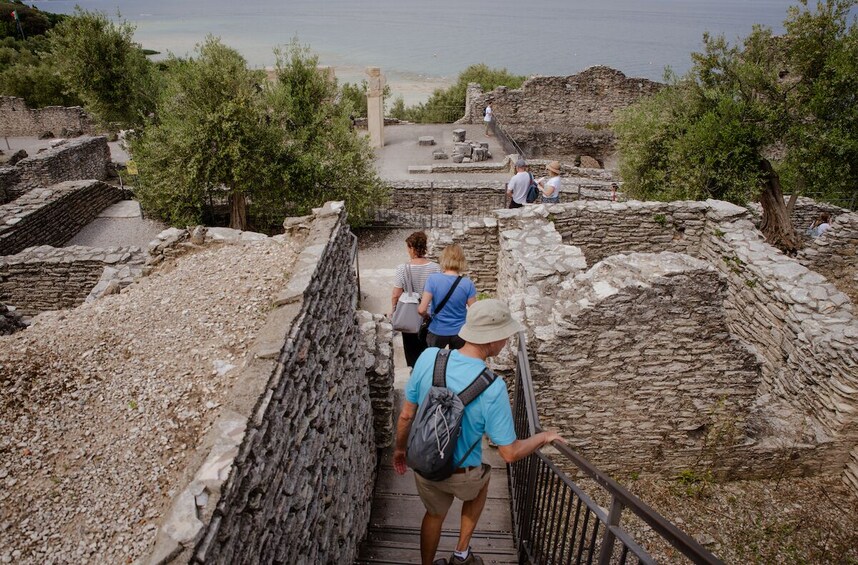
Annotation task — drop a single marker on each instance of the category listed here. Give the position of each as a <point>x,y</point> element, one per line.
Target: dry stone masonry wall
<point>804,329</point>
<point>19,120</point>
<point>377,333</point>
<point>479,241</point>
<point>47,278</point>
<point>644,353</point>
<point>412,203</point>
<point>300,487</point>
<point>686,306</point>
<point>602,229</point>
<point>834,254</point>
<point>79,159</point>
<point>52,216</point>
<point>562,116</point>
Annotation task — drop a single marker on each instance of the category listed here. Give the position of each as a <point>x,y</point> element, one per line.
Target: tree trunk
<point>776,225</point>
<point>238,211</point>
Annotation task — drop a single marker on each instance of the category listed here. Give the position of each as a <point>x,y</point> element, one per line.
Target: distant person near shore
<point>487,117</point>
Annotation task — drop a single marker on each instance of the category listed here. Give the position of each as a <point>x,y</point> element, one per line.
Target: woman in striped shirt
<point>420,269</point>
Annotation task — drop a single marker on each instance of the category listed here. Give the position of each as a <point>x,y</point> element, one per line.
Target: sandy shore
<point>414,88</point>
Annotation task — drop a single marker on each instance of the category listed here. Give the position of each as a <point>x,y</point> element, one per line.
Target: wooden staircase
<point>394,530</point>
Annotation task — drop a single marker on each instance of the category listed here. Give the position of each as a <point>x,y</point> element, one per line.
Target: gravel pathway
<point>101,406</point>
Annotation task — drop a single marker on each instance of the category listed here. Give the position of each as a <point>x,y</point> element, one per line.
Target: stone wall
<point>803,328</point>
<point>649,363</point>
<point>414,203</point>
<point>835,254</point>
<point>804,213</point>
<point>479,241</point>
<point>301,463</point>
<point>754,351</point>
<point>562,117</point>
<point>602,229</point>
<point>79,159</point>
<point>19,120</point>
<point>377,334</point>
<point>52,216</point>
<point>47,278</point>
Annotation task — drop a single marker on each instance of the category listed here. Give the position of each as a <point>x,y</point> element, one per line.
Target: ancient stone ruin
<point>19,120</point>
<point>665,336</point>
<point>261,393</point>
<point>561,117</point>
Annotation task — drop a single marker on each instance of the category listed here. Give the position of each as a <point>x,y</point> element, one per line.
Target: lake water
<point>421,44</point>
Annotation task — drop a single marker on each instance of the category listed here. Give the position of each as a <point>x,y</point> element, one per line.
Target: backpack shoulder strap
<point>483,381</point>
<point>439,376</point>
<point>408,280</point>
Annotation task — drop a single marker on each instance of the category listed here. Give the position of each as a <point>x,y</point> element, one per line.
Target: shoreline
<point>414,89</point>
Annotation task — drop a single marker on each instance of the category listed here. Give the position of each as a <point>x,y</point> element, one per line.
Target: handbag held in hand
<point>405,317</point>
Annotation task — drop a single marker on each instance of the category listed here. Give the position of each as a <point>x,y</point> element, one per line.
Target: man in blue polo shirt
<point>487,328</point>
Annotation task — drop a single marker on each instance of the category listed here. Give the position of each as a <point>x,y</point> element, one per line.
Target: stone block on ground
<point>426,140</point>
<point>463,148</point>
<point>440,154</point>
<point>588,162</point>
<point>458,157</point>
<point>458,135</point>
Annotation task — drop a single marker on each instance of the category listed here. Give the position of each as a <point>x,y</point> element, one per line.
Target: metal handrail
<point>507,142</point>
<point>530,504</point>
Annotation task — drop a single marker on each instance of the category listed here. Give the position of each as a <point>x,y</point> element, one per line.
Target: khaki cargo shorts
<point>437,496</point>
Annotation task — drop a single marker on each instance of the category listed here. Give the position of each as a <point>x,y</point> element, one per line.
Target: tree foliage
<point>25,74</point>
<point>448,105</point>
<point>355,94</point>
<point>222,133</point>
<point>100,63</point>
<point>714,132</point>
<point>33,21</point>
<point>328,160</point>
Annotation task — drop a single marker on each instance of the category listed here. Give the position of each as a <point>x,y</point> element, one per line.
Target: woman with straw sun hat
<point>550,188</point>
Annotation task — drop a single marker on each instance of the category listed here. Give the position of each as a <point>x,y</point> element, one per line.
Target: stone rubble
<point>97,426</point>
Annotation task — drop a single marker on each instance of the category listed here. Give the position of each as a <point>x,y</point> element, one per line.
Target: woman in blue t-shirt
<point>446,323</point>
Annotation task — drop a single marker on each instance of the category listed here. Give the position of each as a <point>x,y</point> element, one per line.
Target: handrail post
<point>609,537</point>
<point>525,529</point>
<point>431,204</point>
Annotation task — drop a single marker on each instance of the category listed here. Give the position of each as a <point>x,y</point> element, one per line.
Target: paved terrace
<point>401,150</point>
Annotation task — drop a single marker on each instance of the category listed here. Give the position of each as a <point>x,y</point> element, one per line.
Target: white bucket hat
<point>488,321</point>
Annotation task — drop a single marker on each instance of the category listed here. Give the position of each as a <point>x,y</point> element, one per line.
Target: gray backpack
<point>436,428</point>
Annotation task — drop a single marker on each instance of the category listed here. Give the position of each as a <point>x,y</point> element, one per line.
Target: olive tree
<point>100,64</point>
<point>747,115</point>
<point>222,131</point>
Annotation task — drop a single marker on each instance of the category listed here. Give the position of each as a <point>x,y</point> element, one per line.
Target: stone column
<point>375,106</point>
